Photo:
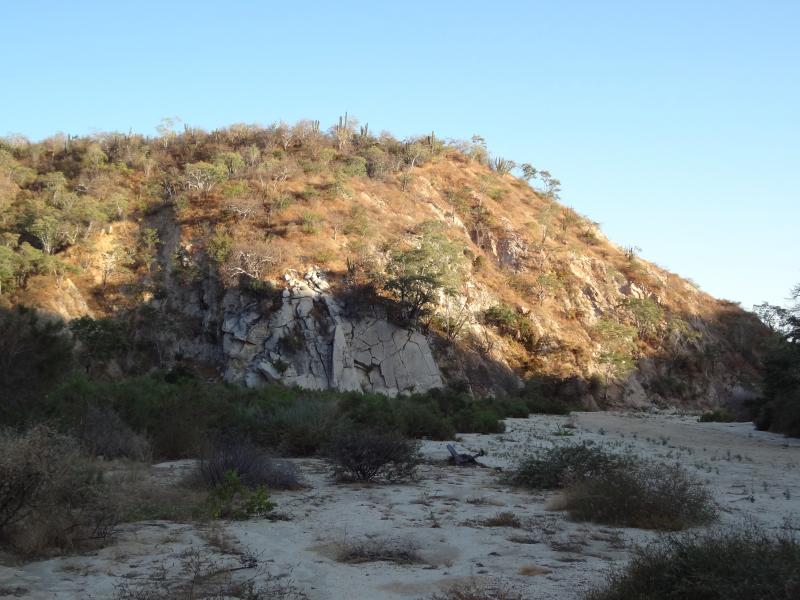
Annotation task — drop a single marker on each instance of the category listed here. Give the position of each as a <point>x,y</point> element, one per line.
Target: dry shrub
<point>51,493</point>
<point>378,549</point>
<point>744,563</point>
<point>502,519</point>
<point>103,433</point>
<point>644,494</point>
<point>533,570</point>
<point>479,590</point>
<point>139,496</point>
<point>372,454</point>
<point>250,463</point>
<point>201,577</point>
<point>616,489</point>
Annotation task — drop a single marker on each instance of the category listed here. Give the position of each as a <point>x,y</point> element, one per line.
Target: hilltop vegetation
<point>115,230</point>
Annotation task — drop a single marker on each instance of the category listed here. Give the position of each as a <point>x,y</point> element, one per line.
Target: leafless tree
<point>250,264</point>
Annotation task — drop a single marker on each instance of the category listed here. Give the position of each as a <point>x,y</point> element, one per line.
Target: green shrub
<point>479,419</point>
<point>424,421</point>
<point>640,494</point>
<point>719,415</point>
<point>548,406</point>
<point>302,427</point>
<point>616,489</point>
<point>355,166</point>
<point>511,323</point>
<point>557,466</point>
<point>545,395</point>
<point>367,455</point>
<point>219,246</point>
<point>232,499</point>
<point>310,222</point>
<point>736,564</point>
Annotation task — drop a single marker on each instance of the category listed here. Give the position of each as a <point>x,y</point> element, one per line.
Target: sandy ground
<point>753,475</point>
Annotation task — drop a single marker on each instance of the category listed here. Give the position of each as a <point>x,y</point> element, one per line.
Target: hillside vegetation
<point>136,240</point>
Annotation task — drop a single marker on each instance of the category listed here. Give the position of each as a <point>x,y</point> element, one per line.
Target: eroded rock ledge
<point>311,342</point>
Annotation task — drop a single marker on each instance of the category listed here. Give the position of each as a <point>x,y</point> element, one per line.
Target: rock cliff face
<point>311,342</point>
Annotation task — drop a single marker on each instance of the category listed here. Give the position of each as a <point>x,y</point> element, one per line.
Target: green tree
<point>617,345</point>
<point>220,246</point>
<point>417,276</point>
<point>779,407</point>
<point>93,158</point>
<point>30,261</point>
<point>100,340</point>
<point>35,353</point>
<point>230,162</point>
<point>8,269</point>
<point>203,177</point>
<point>49,230</point>
<point>528,171</point>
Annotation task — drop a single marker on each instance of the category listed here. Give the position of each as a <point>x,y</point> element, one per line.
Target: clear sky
<point>675,124</point>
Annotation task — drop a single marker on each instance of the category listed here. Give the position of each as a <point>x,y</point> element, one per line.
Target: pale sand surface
<point>753,475</point>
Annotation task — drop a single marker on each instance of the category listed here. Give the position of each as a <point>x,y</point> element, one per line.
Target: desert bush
<point>555,467</point>
<point>232,499</point>
<point>310,222</point>
<point>479,417</point>
<point>302,427</point>
<point>502,519</point>
<point>367,455</point>
<point>640,494</point>
<point>200,577</point>
<point>719,415</point>
<point>377,549</point>
<point>745,563</point>
<point>102,432</point>
<point>547,406</point>
<point>136,496</point>
<point>546,395</point>
<point>249,462</point>
<point>354,166</point>
<point>34,353</point>
<point>422,420</point>
<point>478,590</point>
<point>51,494</point>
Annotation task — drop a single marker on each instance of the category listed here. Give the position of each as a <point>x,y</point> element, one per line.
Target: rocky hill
<point>351,261</point>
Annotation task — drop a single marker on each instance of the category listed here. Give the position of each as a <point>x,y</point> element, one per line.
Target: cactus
<point>431,139</point>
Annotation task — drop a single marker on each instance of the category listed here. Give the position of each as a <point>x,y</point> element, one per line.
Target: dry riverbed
<point>463,523</point>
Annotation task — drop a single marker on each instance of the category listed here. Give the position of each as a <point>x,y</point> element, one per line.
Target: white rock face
<point>311,342</point>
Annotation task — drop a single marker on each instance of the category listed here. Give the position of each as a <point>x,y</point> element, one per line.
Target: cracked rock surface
<point>311,342</point>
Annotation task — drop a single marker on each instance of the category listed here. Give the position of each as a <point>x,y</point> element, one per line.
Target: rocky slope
<point>265,254</point>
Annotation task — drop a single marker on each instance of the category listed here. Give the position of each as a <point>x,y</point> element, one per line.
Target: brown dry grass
<point>533,570</point>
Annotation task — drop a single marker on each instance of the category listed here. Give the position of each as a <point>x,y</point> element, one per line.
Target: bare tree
<point>250,264</point>
<point>110,261</point>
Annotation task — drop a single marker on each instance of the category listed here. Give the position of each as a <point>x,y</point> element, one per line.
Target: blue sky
<point>674,124</point>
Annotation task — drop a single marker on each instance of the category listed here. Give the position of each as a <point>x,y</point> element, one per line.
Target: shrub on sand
<point>745,563</point>
<point>366,455</point>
